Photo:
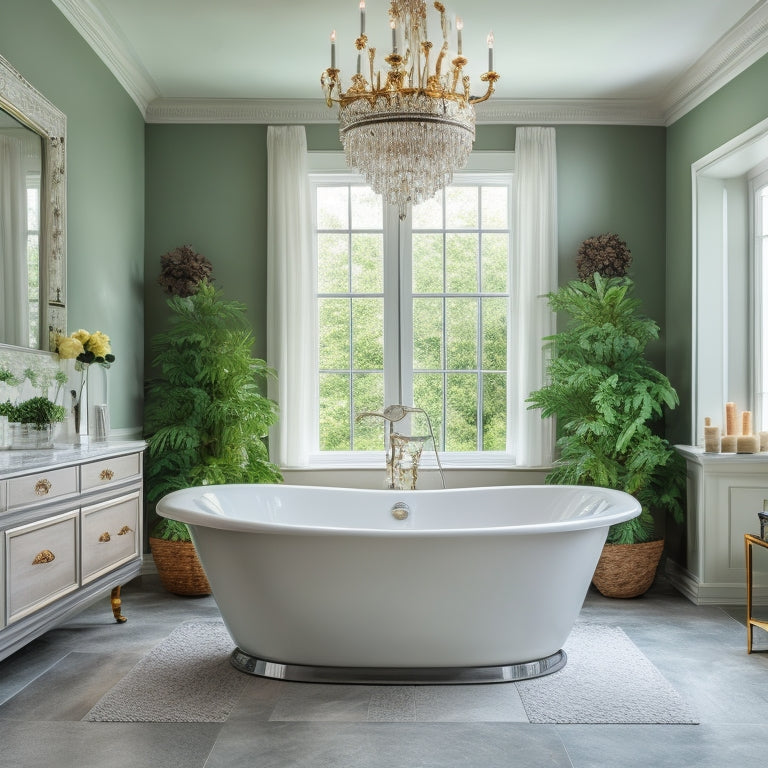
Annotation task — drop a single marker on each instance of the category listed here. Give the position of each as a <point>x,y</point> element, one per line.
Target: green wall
<point>105,187</point>
<point>206,185</point>
<point>736,107</point>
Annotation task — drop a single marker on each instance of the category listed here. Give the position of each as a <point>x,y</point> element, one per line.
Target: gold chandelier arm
<point>490,78</point>
<point>330,80</point>
<point>441,56</point>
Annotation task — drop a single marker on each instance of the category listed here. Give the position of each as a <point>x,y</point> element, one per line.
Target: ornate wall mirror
<point>32,215</point>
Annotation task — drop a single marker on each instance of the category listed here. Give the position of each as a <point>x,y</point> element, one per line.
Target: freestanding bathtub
<point>383,586</point>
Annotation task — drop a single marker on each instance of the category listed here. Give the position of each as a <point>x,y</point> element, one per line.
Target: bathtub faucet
<point>393,414</point>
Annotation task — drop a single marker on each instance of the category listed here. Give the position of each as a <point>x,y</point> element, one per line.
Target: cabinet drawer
<point>104,472</point>
<point>110,535</point>
<point>41,563</point>
<point>32,489</point>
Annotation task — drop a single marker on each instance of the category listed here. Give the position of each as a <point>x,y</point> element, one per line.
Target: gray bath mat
<point>606,680</point>
<point>185,679</point>
<point>188,678</point>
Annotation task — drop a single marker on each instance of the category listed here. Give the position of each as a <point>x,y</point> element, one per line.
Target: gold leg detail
<point>116,604</point>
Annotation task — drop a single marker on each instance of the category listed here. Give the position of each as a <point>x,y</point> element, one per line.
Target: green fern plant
<point>205,416</point>
<point>606,396</point>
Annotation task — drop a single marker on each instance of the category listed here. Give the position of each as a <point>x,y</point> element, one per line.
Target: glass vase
<point>26,437</point>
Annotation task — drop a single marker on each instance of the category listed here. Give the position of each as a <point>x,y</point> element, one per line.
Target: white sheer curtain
<point>291,348</point>
<point>531,438</point>
<point>14,317</point>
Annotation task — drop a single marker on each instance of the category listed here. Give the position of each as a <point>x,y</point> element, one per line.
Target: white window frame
<point>758,180</point>
<point>483,167</point>
<point>724,340</point>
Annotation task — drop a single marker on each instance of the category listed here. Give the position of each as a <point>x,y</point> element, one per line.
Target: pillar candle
<point>728,443</point>
<point>747,444</point>
<point>712,439</point>
<point>746,422</point>
<point>763,441</point>
<point>730,419</point>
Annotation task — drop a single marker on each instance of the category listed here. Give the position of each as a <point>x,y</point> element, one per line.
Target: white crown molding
<point>737,50</point>
<point>272,111</point>
<point>573,111</point>
<point>112,49</point>
<point>308,111</point>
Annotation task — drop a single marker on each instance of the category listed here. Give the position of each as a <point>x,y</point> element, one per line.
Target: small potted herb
<point>31,422</point>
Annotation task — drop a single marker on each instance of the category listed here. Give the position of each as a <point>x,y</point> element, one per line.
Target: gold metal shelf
<point>749,541</point>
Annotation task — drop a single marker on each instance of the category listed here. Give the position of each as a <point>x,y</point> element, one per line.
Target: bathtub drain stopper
<point>400,510</point>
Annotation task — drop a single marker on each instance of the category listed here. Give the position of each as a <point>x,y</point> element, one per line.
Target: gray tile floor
<point>48,687</point>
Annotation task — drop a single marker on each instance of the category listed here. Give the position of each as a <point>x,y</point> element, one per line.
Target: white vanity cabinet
<point>70,532</point>
<point>725,493</point>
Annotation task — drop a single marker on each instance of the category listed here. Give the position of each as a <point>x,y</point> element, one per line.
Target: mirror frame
<point>24,102</point>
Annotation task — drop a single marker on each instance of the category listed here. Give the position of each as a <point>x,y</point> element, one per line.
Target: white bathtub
<point>476,584</point>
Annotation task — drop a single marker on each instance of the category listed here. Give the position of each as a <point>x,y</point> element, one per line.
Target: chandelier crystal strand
<point>409,128</point>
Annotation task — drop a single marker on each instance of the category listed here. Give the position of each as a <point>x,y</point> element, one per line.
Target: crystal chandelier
<point>407,132</point>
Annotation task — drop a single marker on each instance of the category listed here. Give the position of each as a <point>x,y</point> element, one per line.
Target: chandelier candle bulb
<point>362,17</point>
<point>333,49</point>
<point>730,419</point>
<point>728,443</point>
<point>459,27</point>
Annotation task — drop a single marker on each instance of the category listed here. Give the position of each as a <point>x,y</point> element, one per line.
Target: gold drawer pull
<point>125,529</point>
<point>106,474</point>
<point>105,536</point>
<point>42,487</point>
<point>46,556</point>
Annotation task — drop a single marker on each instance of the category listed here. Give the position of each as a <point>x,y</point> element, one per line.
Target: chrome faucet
<point>393,414</point>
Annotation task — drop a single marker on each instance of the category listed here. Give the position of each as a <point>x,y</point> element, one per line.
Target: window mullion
<point>391,330</point>
<point>406,312</point>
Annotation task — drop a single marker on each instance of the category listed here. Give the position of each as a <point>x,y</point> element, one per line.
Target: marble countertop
<point>22,462</point>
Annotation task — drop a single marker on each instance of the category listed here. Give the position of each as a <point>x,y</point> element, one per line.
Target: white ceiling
<point>648,57</point>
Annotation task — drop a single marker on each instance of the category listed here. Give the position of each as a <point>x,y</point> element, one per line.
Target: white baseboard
<point>712,593</point>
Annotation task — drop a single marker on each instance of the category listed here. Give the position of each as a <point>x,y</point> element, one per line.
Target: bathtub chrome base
<point>299,673</point>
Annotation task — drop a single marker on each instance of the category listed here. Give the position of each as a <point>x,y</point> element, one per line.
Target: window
<point>413,312</point>
<point>729,301</point>
<point>759,194</point>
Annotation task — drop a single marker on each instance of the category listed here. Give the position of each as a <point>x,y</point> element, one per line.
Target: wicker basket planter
<point>627,570</point>
<point>179,567</point>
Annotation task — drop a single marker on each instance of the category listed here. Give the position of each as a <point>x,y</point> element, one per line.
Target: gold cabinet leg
<point>116,604</point>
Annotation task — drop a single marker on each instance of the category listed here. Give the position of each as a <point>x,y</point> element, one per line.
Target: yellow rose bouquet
<point>86,348</point>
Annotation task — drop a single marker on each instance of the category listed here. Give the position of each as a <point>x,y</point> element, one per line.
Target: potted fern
<point>205,419</point>
<point>606,396</point>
